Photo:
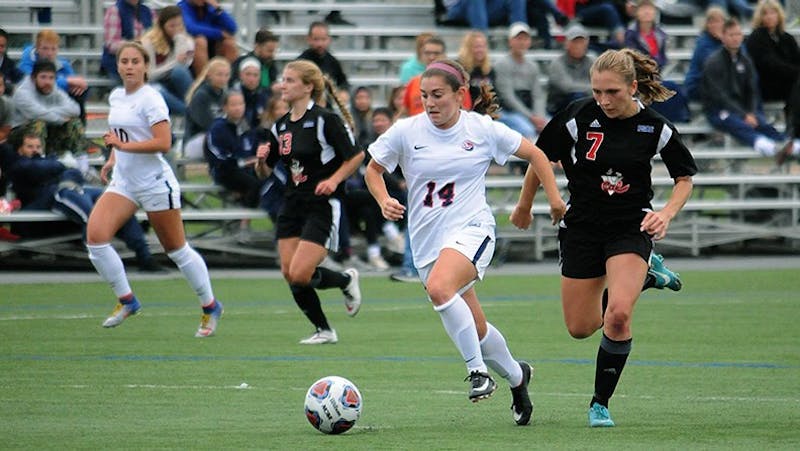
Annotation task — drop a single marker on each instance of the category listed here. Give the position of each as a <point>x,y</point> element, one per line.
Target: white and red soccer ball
<point>333,404</point>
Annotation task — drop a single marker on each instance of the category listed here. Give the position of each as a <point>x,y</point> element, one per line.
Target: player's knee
<point>617,321</point>
<point>439,293</point>
<point>581,331</point>
<point>298,278</point>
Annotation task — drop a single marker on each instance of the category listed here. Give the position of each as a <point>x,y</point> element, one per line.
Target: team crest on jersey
<point>645,128</point>
<point>612,183</point>
<point>595,124</point>
<point>468,145</point>
<point>297,173</point>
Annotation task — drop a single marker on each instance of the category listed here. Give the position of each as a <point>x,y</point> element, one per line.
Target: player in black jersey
<point>605,145</point>
<point>320,152</point>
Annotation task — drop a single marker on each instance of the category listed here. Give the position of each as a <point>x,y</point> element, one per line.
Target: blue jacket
<point>37,178</point>
<point>211,24</point>
<point>703,48</point>
<point>63,67</point>
<point>228,144</point>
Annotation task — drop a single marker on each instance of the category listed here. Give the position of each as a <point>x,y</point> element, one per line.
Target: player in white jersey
<point>139,136</point>
<point>444,155</point>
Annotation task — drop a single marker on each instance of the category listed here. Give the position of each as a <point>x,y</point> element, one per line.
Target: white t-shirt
<point>445,171</point>
<point>131,117</point>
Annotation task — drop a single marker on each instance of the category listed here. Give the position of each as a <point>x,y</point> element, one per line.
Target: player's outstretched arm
<point>539,172</point>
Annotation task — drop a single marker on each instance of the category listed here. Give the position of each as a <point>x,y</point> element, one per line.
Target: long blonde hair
<point>310,74</point>
<point>758,14</point>
<point>213,64</point>
<point>633,65</point>
<point>161,43</point>
<point>467,59</point>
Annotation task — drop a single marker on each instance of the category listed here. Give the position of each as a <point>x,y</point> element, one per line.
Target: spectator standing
<point>414,65</point>
<point>46,47</point>
<point>8,67</point>
<point>568,78</point>
<point>709,41</point>
<point>204,104</point>
<point>774,52</point>
<point>518,85</point>
<point>171,52</point>
<point>731,99</point>
<point>265,48</point>
<point>125,20</point>
<point>213,30</point>
<point>319,41</point>
<point>480,14</point>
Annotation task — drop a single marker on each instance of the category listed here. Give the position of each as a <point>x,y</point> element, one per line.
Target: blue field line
<point>400,359</point>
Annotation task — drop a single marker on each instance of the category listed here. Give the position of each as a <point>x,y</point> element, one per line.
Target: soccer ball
<point>333,405</point>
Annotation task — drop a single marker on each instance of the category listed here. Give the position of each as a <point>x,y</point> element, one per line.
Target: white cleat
<point>321,337</point>
<point>352,293</point>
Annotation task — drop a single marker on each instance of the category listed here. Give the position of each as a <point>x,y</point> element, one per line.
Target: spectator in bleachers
<point>44,183</point>
<point>125,20</point>
<point>709,41</point>
<point>319,41</point>
<point>8,67</point>
<point>213,30</point>
<point>480,14</point>
<point>473,55</point>
<point>538,11</point>
<point>204,104</point>
<point>731,99</point>
<point>413,66</point>
<point>6,112</point>
<point>519,87</point>
<point>568,75</point>
<point>433,50</point>
<point>265,48</point>
<point>604,14</point>
<point>40,108</point>
<point>774,52</point>
<point>46,47</point>
<point>395,102</point>
<point>740,9</point>
<point>361,110</point>
<point>255,95</point>
<point>171,52</point>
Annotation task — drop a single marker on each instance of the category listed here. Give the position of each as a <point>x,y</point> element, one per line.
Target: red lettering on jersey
<point>597,139</point>
<point>285,143</point>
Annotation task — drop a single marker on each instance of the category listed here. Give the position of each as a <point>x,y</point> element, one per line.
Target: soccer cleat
<point>122,311</point>
<point>352,293</point>
<point>664,277</point>
<point>599,416</point>
<point>209,321</point>
<point>521,407</point>
<point>482,386</point>
<point>321,337</point>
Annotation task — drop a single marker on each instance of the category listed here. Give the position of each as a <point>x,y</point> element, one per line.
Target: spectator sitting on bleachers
<point>46,47</point>
<point>709,41</point>
<point>40,108</point>
<point>204,104</point>
<point>568,75</point>
<point>361,110</point>
<point>480,14</point>
<point>213,31</point>
<point>774,52</point>
<point>44,183</point>
<point>171,52</point>
<point>731,100</point>
<point>793,117</point>
<point>433,50</point>
<point>264,49</point>
<point>319,41</point>
<point>413,66</point>
<point>125,20</point>
<point>255,95</point>
<point>230,150</point>
<point>394,102</point>
<point>519,87</point>
<point>537,11</point>
<point>8,67</point>
<point>473,55</point>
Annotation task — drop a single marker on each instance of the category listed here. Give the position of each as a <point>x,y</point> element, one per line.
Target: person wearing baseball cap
<point>568,78</point>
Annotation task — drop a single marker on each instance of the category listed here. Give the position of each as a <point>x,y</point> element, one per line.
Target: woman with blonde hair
<point>774,52</point>
<point>320,152</point>
<point>473,55</point>
<point>204,104</point>
<point>171,52</point>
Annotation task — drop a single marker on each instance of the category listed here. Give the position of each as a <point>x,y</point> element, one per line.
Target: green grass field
<point>716,366</point>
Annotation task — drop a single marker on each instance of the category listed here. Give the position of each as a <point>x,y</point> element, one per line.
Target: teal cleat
<point>664,277</point>
<point>599,416</point>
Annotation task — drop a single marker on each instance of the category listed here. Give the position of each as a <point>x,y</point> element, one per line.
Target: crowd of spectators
<point>228,101</point>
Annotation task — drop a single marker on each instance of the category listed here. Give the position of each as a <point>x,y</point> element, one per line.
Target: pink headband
<point>447,68</point>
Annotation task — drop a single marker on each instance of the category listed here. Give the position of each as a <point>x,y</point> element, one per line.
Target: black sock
<point>649,282</point>
<point>308,301</point>
<point>325,278</point>
<point>604,302</point>
<point>611,357</point>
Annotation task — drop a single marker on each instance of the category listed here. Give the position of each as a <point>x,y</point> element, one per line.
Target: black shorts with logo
<point>583,250</point>
<point>314,219</point>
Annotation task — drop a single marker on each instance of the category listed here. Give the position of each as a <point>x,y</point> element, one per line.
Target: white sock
<point>460,326</point>
<point>390,230</point>
<point>195,270</point>
<point>765,146</point>
<point>374,250</point>
<point>498,357</point>
<point>106,261</point>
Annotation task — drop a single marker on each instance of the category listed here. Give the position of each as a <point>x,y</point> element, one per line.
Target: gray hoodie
<point>54,108</point>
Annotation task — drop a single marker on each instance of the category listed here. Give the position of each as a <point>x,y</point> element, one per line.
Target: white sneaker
<point>352,293</point>
<point>378,263</point>
<point>321,337</point>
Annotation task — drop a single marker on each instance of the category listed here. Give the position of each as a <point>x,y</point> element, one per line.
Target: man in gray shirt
<point>569,73</point>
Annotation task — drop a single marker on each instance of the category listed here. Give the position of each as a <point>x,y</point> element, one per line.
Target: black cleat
<point>521,407</point>
<point>482,386</point>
